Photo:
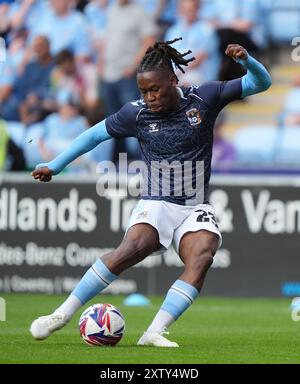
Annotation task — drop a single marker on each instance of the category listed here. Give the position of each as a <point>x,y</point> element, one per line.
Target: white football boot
<point>156,339</point>
<point>43,326</point>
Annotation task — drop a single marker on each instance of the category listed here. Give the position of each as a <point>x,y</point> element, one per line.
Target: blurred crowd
<point>70,63</point>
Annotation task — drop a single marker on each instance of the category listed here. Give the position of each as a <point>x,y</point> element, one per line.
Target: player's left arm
<point>257,78</point>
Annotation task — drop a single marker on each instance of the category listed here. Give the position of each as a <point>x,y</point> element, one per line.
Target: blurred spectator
<point>32,109</point>
<point>168,16</point>
<point>65,28</point>
<point>201,39</point>
<point>81,4</point>
<point>152,7</point>
<point>17,54</point>
<point>4,9</point>
<point>11,156</point>
<point>26,14</point>
<point>128,34</point>
<point>224,154</point>
<point>236,22</point>
<point>71,83</point>
<point>60,129</point>
<point>164,12</point>
<point>6,81</point>
<point>291,111</point>
<point>96,15</point>
<point>35,80</point>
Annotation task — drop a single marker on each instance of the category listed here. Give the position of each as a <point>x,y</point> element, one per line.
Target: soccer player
<point>176,125</point>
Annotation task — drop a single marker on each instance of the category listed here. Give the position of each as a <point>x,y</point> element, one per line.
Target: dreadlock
<point>162,56</point>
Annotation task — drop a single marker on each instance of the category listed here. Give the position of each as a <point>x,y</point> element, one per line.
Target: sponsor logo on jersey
<point>153,127</point>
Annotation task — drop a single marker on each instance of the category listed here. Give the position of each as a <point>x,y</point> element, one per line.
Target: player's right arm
<point>119,125</point>
<point>82,144</point>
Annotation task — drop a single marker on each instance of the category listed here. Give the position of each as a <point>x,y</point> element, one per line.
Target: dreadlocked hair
<point>162,56</point>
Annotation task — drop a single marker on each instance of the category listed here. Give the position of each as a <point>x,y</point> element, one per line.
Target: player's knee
<point>129,253</point>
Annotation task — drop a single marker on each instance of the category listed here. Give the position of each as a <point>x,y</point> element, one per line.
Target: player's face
<point>61,7</point>
<point>158,89</point>
<point>40,46</point>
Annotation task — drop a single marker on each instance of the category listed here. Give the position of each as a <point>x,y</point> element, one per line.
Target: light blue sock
<point>97,278</point>
<point>180,296</point>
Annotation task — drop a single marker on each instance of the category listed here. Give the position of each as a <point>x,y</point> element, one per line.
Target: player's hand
<point>236,52</point>
<point>42,174</point>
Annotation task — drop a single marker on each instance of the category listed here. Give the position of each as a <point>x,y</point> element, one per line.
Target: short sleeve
<point>123,123</point>
<point>229,91</point>
<point>217,94</point>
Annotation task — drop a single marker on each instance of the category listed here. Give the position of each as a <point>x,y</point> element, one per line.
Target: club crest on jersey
<point>153,127</point>
<point>194,117</point>
<point>142,215</point>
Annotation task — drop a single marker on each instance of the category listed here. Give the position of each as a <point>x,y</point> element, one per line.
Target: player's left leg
<point>196,250</point>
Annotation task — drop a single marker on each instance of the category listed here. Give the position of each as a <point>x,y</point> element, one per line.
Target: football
<point>101,325</point>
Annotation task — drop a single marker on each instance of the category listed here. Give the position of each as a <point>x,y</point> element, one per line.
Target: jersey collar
<point>180,91</point>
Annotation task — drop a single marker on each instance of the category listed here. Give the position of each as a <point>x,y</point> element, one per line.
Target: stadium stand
<point>264,113</point>
<point>256,142</point>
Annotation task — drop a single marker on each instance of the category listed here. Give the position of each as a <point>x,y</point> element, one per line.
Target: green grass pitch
<point>213,330</point>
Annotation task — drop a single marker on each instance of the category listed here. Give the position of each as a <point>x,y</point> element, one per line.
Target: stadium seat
<point>283,20</point>
<point>256,144</point>
<point>288,151</point>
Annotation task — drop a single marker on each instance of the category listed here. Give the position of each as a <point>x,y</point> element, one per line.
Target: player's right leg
<point>196,242</point>
<point>196,251</point>
<point>140,241</point>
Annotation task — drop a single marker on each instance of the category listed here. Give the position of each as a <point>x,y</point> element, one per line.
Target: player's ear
<point>173,80</point>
